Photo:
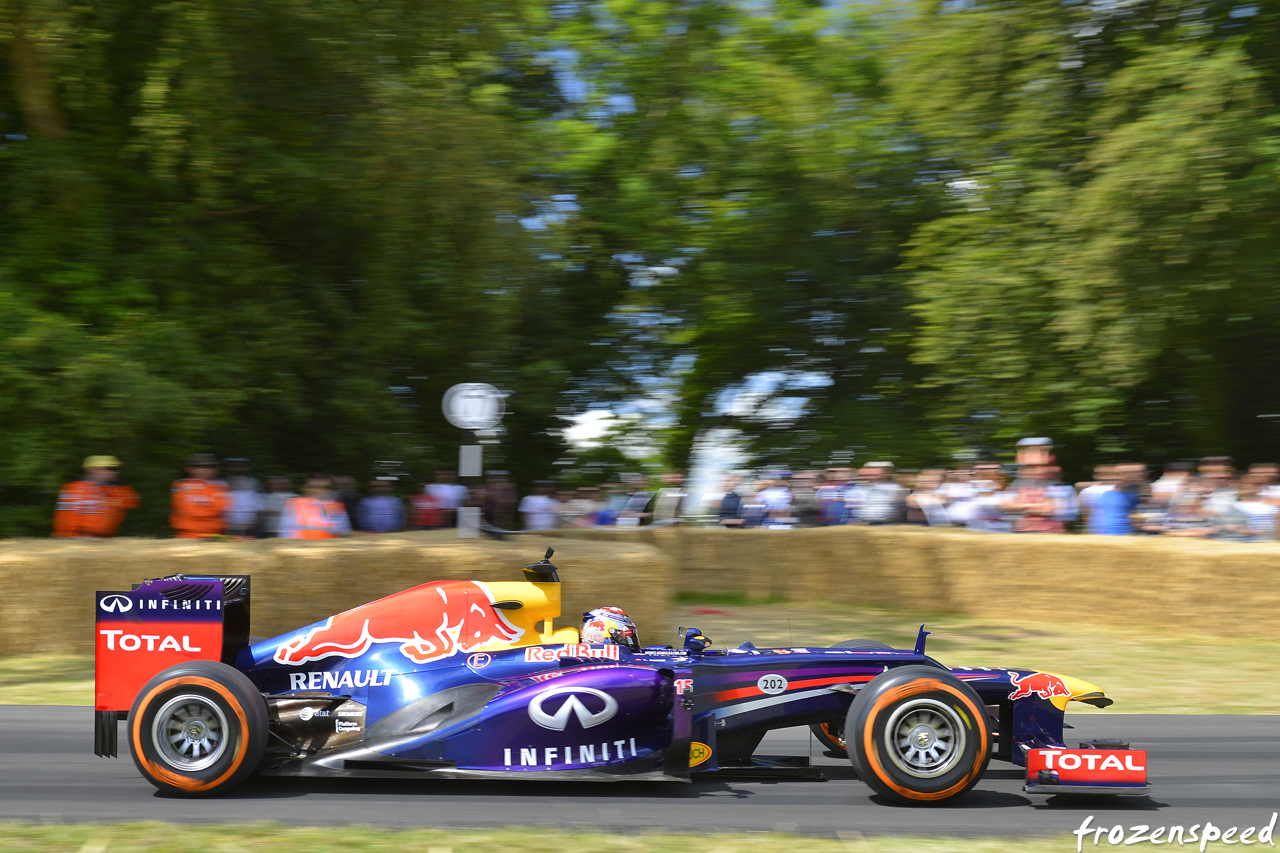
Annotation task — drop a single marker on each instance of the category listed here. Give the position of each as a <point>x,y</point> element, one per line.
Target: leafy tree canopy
<point>283,230</point>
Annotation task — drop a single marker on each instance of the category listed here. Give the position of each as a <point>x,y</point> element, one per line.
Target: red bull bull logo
<point>430,622</point>
<point>1042,684</point>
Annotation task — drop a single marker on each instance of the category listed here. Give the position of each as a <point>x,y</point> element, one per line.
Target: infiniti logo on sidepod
<point>116,603</point>
<point>572,706</point>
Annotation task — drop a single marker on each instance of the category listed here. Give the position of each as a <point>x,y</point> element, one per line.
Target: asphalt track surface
<point>1225,769</point>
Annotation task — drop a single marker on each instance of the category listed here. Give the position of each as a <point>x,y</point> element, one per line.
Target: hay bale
<point>1215,588</point>
<point>50,584</point>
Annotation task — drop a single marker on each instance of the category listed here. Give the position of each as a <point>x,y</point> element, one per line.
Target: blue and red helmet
<point>609,625</point>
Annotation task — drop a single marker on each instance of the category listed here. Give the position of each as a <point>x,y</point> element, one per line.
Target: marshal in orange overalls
<point>87,508</point>
<point>198,506</point>
<point>313,518</point>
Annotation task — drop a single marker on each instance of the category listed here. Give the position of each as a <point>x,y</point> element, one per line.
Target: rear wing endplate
<point>155,625</point>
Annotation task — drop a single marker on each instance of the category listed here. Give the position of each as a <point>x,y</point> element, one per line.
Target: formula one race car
<point>462,679</point>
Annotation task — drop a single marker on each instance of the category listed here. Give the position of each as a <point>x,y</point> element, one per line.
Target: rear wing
<point>155,625</point>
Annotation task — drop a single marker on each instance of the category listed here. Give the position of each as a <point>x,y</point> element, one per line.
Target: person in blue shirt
<point>1112,510</point>
<point>381,512</point>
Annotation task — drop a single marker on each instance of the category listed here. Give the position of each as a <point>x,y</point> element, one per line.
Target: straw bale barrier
<point>1165,585</point>
<point>47,605</point>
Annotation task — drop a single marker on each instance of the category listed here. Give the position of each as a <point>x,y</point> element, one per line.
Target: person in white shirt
<point>1267,476</point>
<point>1218,477</point>
<point>581,508</point>
<point>668,503</point>
<point>540,510</point>
<point>245,499</point>
<point>883,500</point>
<point>987,509</point>
<point>752,508</point>
<point>273,503</point>
<point>925,503</point>
<point>1104,480</point>
<point>776,498</point>
<point>1176,477</point>
<point>1260,514</point>
<point>957,495</point>
<point>449,494</point>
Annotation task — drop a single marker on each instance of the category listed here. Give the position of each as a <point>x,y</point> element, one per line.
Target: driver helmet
<point>609,625</point>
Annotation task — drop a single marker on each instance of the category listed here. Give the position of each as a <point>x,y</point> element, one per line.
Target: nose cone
<point>1081,691</point>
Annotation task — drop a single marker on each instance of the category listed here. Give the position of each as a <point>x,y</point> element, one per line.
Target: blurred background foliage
<point>907,230</point>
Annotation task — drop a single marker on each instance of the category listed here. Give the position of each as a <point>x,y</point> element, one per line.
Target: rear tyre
<point>197,729</point>
<point>918,735</point>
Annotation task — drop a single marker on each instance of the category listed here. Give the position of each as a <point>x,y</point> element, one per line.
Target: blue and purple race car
<point>463,679</point>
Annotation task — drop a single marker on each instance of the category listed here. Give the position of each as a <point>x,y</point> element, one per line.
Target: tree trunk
<point>36,95</point>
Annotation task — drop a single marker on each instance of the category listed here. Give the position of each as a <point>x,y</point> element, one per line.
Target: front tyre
<point>831,735</point>
<point>918,735</point>
<point>198,728</point>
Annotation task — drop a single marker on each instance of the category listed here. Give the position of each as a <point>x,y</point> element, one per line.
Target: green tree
<point>278,231</point>
<point>1104,268</point>
<point>751,151</point>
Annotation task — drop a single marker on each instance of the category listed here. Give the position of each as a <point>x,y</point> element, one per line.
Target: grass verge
<point>168,838</point>
<point>46,680</point>
<point>1173,672</point>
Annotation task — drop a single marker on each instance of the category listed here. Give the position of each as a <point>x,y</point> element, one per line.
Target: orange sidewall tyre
<point>245,739</point>
<point>870,743</point>
<point>829,735</point>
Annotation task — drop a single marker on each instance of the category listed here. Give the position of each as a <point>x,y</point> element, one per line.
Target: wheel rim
<point>190,732</point>
<point>835,731</point>
<point>925,737</point>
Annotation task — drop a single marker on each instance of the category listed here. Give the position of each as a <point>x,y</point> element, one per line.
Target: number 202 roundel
<point>772,684</point>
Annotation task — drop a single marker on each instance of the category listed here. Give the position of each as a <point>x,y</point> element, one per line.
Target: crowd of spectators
<point>1207,499</point>
<point>222,499</point>
<point>205,505</point>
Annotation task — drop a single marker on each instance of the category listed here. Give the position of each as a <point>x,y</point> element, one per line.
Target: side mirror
<point>544,571</point>
<point>694,641</point>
